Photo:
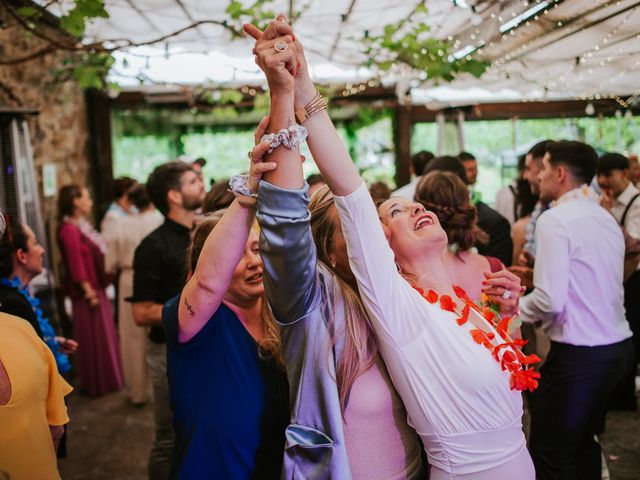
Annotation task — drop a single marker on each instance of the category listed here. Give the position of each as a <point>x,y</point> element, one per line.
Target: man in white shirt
<point>578,296</point>
<point>619,195</point>
<point>634,170</point>
<point>418,163</point>
<point>622,199</point>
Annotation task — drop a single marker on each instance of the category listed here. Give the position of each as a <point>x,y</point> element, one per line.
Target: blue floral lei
<point>48,333</point>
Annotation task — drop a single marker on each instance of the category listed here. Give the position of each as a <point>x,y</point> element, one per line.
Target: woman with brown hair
<point>83,251</point>
<point>447,196</point>
<point>228,388</point>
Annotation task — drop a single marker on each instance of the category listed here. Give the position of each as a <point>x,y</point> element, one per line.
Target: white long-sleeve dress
<point>457,397</point>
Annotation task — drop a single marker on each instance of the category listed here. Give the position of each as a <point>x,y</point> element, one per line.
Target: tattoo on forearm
<point>189,307</point>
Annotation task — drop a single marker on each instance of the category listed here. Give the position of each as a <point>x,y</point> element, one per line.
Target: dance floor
<point>109,439</point>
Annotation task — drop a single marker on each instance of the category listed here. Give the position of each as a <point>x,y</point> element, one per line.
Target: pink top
<point>83,260</point>
<point>380,444</point>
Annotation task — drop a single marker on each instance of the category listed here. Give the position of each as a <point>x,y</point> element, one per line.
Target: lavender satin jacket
<point>309,306</point>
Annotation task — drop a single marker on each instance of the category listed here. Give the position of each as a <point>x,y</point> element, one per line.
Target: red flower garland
<point>523,377</point>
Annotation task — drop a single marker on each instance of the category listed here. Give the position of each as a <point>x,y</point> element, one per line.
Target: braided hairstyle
<point>446,195</point>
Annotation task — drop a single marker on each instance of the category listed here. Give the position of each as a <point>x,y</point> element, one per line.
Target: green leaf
<point>28,11</point>
<point>422,8</point>
<point>75,20</point>
<point>476,67</point>
<point>74,24</point>
<point>88,77</point>
<point>90,9</point>
<point>235,9</point>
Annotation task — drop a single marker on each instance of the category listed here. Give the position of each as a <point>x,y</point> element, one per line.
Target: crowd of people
<point>323,328</point>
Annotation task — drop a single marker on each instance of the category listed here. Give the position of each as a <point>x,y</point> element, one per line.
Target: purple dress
<point>94,327</point>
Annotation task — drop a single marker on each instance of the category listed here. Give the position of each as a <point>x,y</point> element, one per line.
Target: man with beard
<point>532,167</point>
<point>158,275</point>
<point>578,296</point>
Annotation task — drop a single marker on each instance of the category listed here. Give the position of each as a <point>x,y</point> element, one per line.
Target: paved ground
<point>109,439</point>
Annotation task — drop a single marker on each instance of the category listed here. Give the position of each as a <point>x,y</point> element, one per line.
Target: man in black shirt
<point>159,274</point>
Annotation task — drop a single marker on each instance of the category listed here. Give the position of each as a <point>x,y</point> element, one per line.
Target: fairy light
<point>351,89</point>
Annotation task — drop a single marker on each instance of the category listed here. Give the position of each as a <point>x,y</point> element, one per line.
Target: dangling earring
<point>333,265</point>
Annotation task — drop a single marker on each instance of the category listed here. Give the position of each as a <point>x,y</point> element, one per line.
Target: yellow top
<point>36,401</point>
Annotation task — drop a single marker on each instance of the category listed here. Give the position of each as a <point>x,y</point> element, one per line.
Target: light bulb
<point>589,109</point>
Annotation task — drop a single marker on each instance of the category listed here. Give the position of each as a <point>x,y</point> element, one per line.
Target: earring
<point>398,267</point>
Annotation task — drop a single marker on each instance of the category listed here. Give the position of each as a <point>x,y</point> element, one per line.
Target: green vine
<point>89,66</point>
<point>407,42</point>
<point>260,13</point>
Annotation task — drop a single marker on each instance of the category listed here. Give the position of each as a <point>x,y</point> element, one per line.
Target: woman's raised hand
<point>304,88</point>
<point>503,288</point>
<point>276,54</point>
<point>258,166</point>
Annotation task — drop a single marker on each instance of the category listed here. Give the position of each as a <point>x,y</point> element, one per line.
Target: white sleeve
<point>550,274</point>
<point>397,310</point>
<point>632,222</point>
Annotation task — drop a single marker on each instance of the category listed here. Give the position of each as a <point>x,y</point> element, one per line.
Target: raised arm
<point>276,55</point>
<point>288,252</point>
<point>286,243</point>
<point>325,145</point>
<point>222,250</point>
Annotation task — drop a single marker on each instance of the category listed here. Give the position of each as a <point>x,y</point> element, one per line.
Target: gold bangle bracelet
<point>317,104</point>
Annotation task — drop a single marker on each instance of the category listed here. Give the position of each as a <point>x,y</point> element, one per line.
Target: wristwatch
<point>238,186</point>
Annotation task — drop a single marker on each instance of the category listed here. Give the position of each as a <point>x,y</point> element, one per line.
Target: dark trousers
<point>624,396</point>
<point>568,407</point>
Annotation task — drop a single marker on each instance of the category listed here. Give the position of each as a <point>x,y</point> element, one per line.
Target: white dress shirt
<point>409,190</point>
<point>505,203</point>
<point>578,291</point>
<point>632,222</point>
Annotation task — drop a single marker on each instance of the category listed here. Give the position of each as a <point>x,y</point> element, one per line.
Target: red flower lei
<point>523,377</point>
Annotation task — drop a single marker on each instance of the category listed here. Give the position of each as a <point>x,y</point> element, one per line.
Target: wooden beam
<point>402,142</point>
<point>507,110</point>
<point>100,155</point>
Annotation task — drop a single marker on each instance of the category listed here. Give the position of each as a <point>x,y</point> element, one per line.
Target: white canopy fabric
<point>539,49</point>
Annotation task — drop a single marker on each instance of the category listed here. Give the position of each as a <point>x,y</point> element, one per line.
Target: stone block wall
<point>59,132</point>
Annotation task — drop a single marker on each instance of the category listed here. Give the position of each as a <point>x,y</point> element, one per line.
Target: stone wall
<point>59,132</point>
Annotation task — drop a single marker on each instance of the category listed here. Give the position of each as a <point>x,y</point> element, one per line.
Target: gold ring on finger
<point>281,46</point>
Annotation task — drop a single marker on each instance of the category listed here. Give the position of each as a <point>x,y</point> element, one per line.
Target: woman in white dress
<point>455,367</point>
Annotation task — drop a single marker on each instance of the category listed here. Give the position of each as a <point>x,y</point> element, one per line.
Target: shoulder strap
<point>515,202</point>
<point>494,263</point>
<point>626,210</point>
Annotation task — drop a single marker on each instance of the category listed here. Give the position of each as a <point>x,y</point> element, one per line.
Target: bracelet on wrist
<point>317,104</point>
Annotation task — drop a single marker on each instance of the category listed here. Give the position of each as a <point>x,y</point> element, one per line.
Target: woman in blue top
<point>227,385</point>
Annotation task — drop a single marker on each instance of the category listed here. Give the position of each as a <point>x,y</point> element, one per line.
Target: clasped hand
<point>281,64</point>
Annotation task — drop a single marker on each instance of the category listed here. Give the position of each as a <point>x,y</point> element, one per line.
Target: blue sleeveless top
<point>230,407</point>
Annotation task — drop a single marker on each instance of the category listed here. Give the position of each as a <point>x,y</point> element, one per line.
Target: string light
<point>352,89</point>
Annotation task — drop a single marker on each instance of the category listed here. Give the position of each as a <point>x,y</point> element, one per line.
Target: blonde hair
<point>360,348</point>
<point>269,344</point>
